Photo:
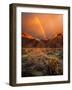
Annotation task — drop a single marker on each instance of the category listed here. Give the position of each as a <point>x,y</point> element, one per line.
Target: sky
<point>42,26</point>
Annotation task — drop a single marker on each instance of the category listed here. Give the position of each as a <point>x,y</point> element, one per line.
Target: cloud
<point>42,26</point>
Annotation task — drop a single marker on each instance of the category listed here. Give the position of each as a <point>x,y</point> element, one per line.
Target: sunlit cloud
<point>42,26</point>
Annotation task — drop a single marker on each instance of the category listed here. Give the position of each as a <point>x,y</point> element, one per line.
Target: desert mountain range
<point>29,41</point>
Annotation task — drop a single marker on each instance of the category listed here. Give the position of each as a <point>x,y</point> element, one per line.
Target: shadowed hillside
<point>55,42</point>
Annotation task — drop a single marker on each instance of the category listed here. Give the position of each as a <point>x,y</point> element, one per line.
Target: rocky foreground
<point>42,61</point>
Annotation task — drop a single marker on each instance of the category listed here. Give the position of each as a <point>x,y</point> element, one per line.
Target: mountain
<point>54,42</point>
<point>58,40</point>
<point>25,35</point>
<point>30,41</point>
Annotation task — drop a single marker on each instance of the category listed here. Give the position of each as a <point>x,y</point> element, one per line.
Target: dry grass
<point>42,61</point>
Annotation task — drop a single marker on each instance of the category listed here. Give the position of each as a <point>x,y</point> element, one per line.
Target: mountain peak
<point>26,35</point>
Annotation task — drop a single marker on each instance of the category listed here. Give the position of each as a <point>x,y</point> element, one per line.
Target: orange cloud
<point>42,25</point>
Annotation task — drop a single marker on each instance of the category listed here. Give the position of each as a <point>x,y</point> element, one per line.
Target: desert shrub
<point>42,61</point>
<point>54,67</point>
